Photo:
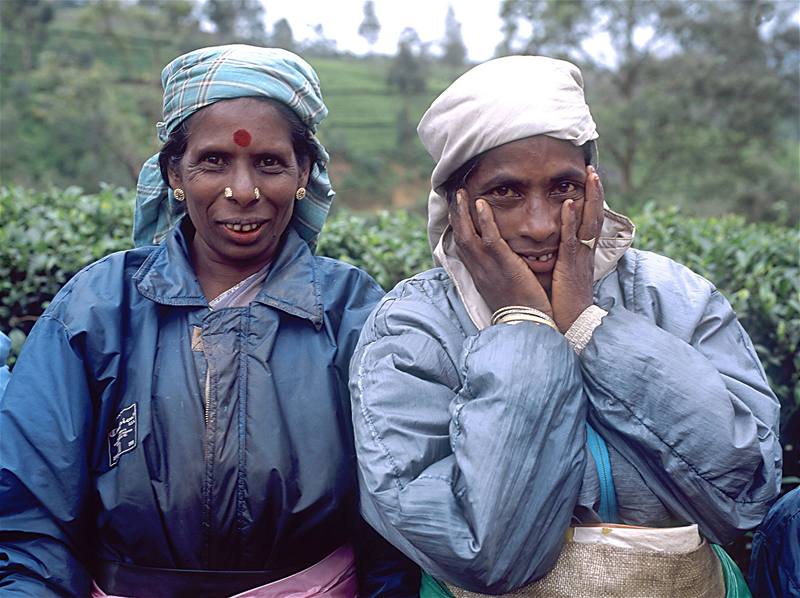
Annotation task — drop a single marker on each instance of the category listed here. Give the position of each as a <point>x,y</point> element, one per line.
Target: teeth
<point>545,257</point>
<point>242,228</point>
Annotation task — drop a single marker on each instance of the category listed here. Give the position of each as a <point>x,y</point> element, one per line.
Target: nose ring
<point>228,192</point>
<point>257,193</point>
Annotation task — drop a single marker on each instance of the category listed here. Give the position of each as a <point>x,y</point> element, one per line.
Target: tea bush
<point>46,237</point>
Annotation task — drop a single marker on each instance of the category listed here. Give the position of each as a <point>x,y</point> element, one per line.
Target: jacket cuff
<point>580,333</point>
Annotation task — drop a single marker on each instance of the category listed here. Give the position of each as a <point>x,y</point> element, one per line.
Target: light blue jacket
<point>471,444</point>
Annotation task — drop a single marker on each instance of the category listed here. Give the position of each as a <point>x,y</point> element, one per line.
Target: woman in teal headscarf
<point>178,421</point>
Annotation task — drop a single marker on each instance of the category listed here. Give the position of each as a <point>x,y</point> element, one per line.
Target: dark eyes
<point>268,162</point>
<point>561,191</point>
<point>565,188</point>
<point>219,160</point>
<point>503,191</point>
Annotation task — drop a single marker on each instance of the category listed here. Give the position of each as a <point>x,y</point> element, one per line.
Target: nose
<point>243,186</point>
<point>541,220</point>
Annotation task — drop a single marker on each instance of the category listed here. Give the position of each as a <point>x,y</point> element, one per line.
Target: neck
<point>215,278</point>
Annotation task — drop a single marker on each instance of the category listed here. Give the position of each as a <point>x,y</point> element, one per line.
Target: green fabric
<point>432,588</point>
<point>735,585</point>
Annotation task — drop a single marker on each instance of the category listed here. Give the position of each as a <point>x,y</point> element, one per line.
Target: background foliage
<point>56,233</point>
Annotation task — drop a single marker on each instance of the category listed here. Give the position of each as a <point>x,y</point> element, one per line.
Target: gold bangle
<point>503,312</point>
<point>522,317</point>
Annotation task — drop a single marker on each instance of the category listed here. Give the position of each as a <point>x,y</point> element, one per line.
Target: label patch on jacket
<point>122,438</point>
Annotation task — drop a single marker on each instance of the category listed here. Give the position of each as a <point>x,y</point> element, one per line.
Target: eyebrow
<point>219,147</point>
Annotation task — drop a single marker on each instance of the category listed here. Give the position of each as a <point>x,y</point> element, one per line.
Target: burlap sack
<point>597,570</point>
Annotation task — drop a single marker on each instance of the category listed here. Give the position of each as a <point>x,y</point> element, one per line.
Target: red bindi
<point>242,138</point>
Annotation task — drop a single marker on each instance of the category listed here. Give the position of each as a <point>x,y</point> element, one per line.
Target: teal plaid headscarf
<point>208,75</point>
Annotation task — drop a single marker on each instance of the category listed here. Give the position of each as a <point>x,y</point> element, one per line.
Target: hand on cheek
<point>500,275</point>
<point>573,275</point>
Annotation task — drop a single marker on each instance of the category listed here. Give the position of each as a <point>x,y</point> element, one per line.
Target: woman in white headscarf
<point>547,375</point>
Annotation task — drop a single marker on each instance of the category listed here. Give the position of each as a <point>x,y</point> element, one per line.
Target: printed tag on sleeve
<point>122,438</point>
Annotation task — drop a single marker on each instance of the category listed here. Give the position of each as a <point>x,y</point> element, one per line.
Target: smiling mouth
<point>541,258</point>
<point>540,263</point>
<point>242,228</point>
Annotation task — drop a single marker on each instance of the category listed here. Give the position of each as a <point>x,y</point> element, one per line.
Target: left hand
<point>574,270</point>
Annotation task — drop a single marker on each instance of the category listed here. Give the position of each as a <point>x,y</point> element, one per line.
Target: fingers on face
<point>592,219</point>
<point>569,226</point>
<point>460,219</point>
<point>490,234</point>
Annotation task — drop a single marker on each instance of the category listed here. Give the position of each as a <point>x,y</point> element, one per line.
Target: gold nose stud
<point>228,192</point>
<point>257,193</point>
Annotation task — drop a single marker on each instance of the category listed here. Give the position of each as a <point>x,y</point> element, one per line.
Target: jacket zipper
<point>208,460</point>
<point>207,395</point>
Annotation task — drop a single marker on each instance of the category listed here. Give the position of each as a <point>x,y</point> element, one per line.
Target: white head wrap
<point>504,100</point>
<point>495,103</point>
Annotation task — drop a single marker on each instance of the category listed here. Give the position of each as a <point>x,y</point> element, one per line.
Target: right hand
<point>500,275</point>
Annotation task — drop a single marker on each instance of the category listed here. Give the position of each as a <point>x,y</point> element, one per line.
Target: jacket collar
<point>167,277</point>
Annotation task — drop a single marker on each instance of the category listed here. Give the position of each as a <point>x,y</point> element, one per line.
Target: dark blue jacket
<point>775,565</point>
<point>142,429</point>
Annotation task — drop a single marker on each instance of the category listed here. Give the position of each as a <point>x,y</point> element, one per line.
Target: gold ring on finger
<point>590,243</point>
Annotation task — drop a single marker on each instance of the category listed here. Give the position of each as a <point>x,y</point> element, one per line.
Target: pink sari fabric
<point>332,577</point>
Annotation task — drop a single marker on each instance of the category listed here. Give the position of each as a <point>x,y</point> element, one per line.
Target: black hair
<point>458,180</point>
<point>305,151</point>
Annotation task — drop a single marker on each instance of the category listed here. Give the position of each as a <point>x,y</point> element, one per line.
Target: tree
<point>407,72</point>
<point>237,19</point>
<point>454,52</point>
<point>684,111</point>
<point>24,26</point>
<point>282,36</point>
<point>84,113</point>
<point>370,27</point>
<point>321,45</point>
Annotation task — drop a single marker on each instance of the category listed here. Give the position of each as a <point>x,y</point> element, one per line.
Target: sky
<point>480,23</point>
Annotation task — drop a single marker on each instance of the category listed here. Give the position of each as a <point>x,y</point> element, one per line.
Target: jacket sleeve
<point>5,348</point>
<point>678,390</point>
<point>45,418</point>
<point>383,571</point>
<point>470,452</point>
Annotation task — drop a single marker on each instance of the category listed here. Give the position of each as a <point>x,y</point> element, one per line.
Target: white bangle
<point>580,333</point>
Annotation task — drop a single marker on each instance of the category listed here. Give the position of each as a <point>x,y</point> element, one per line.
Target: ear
<point>305,172</point>
<point>175,179</point>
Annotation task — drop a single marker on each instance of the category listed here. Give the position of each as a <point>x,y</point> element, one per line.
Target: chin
<point>546,280</point>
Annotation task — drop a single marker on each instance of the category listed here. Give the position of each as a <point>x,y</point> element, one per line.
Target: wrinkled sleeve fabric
<point>45,414</point>
<point>775,562</point>
<point>470,451</point>
<point>675,385</point>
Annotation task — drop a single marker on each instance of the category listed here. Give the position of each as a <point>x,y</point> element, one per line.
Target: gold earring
<point>228,192</point>
<point>257,193</point>
<point>301,193</point>
<point>178,194</point>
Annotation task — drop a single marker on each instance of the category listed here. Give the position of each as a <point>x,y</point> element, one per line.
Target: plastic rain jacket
<point>140,427</point>
<point>471,442</point>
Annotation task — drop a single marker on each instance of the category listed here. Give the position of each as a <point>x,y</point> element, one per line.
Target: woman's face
<point>525,182</point>
<point>241,144</point>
